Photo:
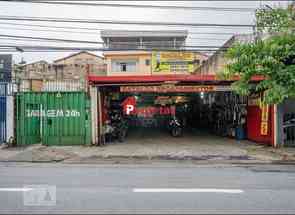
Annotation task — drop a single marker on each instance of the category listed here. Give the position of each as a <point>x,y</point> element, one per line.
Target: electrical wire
<point>48,30</point>
<point>90,33</point>
<point>51,39</point>
<point>100,29</point>
<point>125,48</point>
<point>118,22</point>
<point>166,7</point>
<point>37,40</point>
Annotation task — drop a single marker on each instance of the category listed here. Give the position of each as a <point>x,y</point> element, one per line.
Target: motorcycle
<point>118,126</point>
<point>175,127</point>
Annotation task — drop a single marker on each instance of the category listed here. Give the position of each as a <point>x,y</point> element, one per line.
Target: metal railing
<point>147,45</point>
<point>289,130</point>
<point>8,88</point>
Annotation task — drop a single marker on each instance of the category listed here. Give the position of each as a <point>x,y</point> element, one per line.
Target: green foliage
<point>273,58</point>
<point>274,20</point>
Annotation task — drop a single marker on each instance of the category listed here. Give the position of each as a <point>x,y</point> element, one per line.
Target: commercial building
<point>151,79</point>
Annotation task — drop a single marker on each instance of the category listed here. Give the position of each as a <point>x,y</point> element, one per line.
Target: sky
<point>130,14</point>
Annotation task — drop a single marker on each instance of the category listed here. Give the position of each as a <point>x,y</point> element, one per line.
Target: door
<point>28,119</point>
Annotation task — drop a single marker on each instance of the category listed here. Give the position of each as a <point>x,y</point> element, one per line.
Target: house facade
<point>77,66</point>
<point>216,62</point>
<point>72,67</point>
<point>70,70</point>
<point>152,76</point>
<point>129,53</point>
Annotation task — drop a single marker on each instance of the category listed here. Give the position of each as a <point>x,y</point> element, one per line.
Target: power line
<point>168,7</point>
<point>124,0</point>
<point>100,29</point>
<point>50,26</point>
<point>118,22</point>
<point>112,49</point>
<point>90,33</point>
<point>24,49</point>
<point>50,39</point>
<point>106,49</point>
<point>38,40</point>
<point>45,39</point>
<point>49,30</point>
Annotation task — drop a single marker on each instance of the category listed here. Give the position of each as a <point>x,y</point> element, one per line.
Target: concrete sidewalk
<point>141,146</point>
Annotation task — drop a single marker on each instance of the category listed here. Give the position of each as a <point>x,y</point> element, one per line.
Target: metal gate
<point>286,122</point>
<point>6,111</point>
<point>289,129</point>
<point>53,118</point>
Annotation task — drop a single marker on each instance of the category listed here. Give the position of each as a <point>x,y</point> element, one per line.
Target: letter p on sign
<point>129,109</point>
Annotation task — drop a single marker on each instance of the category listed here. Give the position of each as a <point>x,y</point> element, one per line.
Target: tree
<point>273,57</point>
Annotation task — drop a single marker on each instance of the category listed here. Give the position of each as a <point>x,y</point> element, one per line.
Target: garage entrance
<point>171,112</point>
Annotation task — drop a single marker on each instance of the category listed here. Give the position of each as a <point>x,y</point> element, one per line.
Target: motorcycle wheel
<point>176,132</point>
<point>122,136</point>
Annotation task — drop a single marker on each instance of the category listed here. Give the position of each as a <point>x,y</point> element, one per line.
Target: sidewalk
<point>203,149</point>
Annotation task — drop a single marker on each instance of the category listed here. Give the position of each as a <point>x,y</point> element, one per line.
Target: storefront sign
<point>173,62</point>
<point>129,108</point>
<point>150,111</point>
<point>53,113</point>
<point>173,89</point>
<point>129,105</point>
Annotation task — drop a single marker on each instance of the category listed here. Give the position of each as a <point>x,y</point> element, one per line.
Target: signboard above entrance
<point>174,89</point>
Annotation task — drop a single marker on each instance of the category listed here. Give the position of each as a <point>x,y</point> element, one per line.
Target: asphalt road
<point>163,188</point>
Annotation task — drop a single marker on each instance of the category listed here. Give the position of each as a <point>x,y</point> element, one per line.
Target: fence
<point>7,91</point>
<point>289,130</point>
<point>28,85</point>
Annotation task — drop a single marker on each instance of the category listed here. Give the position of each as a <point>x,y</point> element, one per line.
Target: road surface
<point>162,188</point>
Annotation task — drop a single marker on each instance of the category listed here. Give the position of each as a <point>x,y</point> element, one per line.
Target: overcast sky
<point>133,14</point>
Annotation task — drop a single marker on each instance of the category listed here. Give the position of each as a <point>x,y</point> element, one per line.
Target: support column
<point>94,115</point>
<point>9,117</point>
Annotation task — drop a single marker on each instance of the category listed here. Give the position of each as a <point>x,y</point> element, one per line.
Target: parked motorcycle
<point>119,126</point>
<point>175,127</point>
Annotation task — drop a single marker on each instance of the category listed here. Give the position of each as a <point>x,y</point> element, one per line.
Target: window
<point>147,62</point>
<point>124,65</point>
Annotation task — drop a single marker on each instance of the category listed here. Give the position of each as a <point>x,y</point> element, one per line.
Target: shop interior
<point>126,115</point>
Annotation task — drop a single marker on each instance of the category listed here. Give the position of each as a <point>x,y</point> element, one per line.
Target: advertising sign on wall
<point>172,62</point>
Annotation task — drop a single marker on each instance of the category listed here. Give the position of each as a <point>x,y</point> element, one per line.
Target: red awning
<point>161,78</point>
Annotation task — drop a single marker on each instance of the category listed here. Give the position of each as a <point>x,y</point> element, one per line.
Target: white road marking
<point>186,190</point>
<point>15,189</point>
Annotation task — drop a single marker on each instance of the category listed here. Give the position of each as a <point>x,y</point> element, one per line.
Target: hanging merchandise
<point>228,112</point>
